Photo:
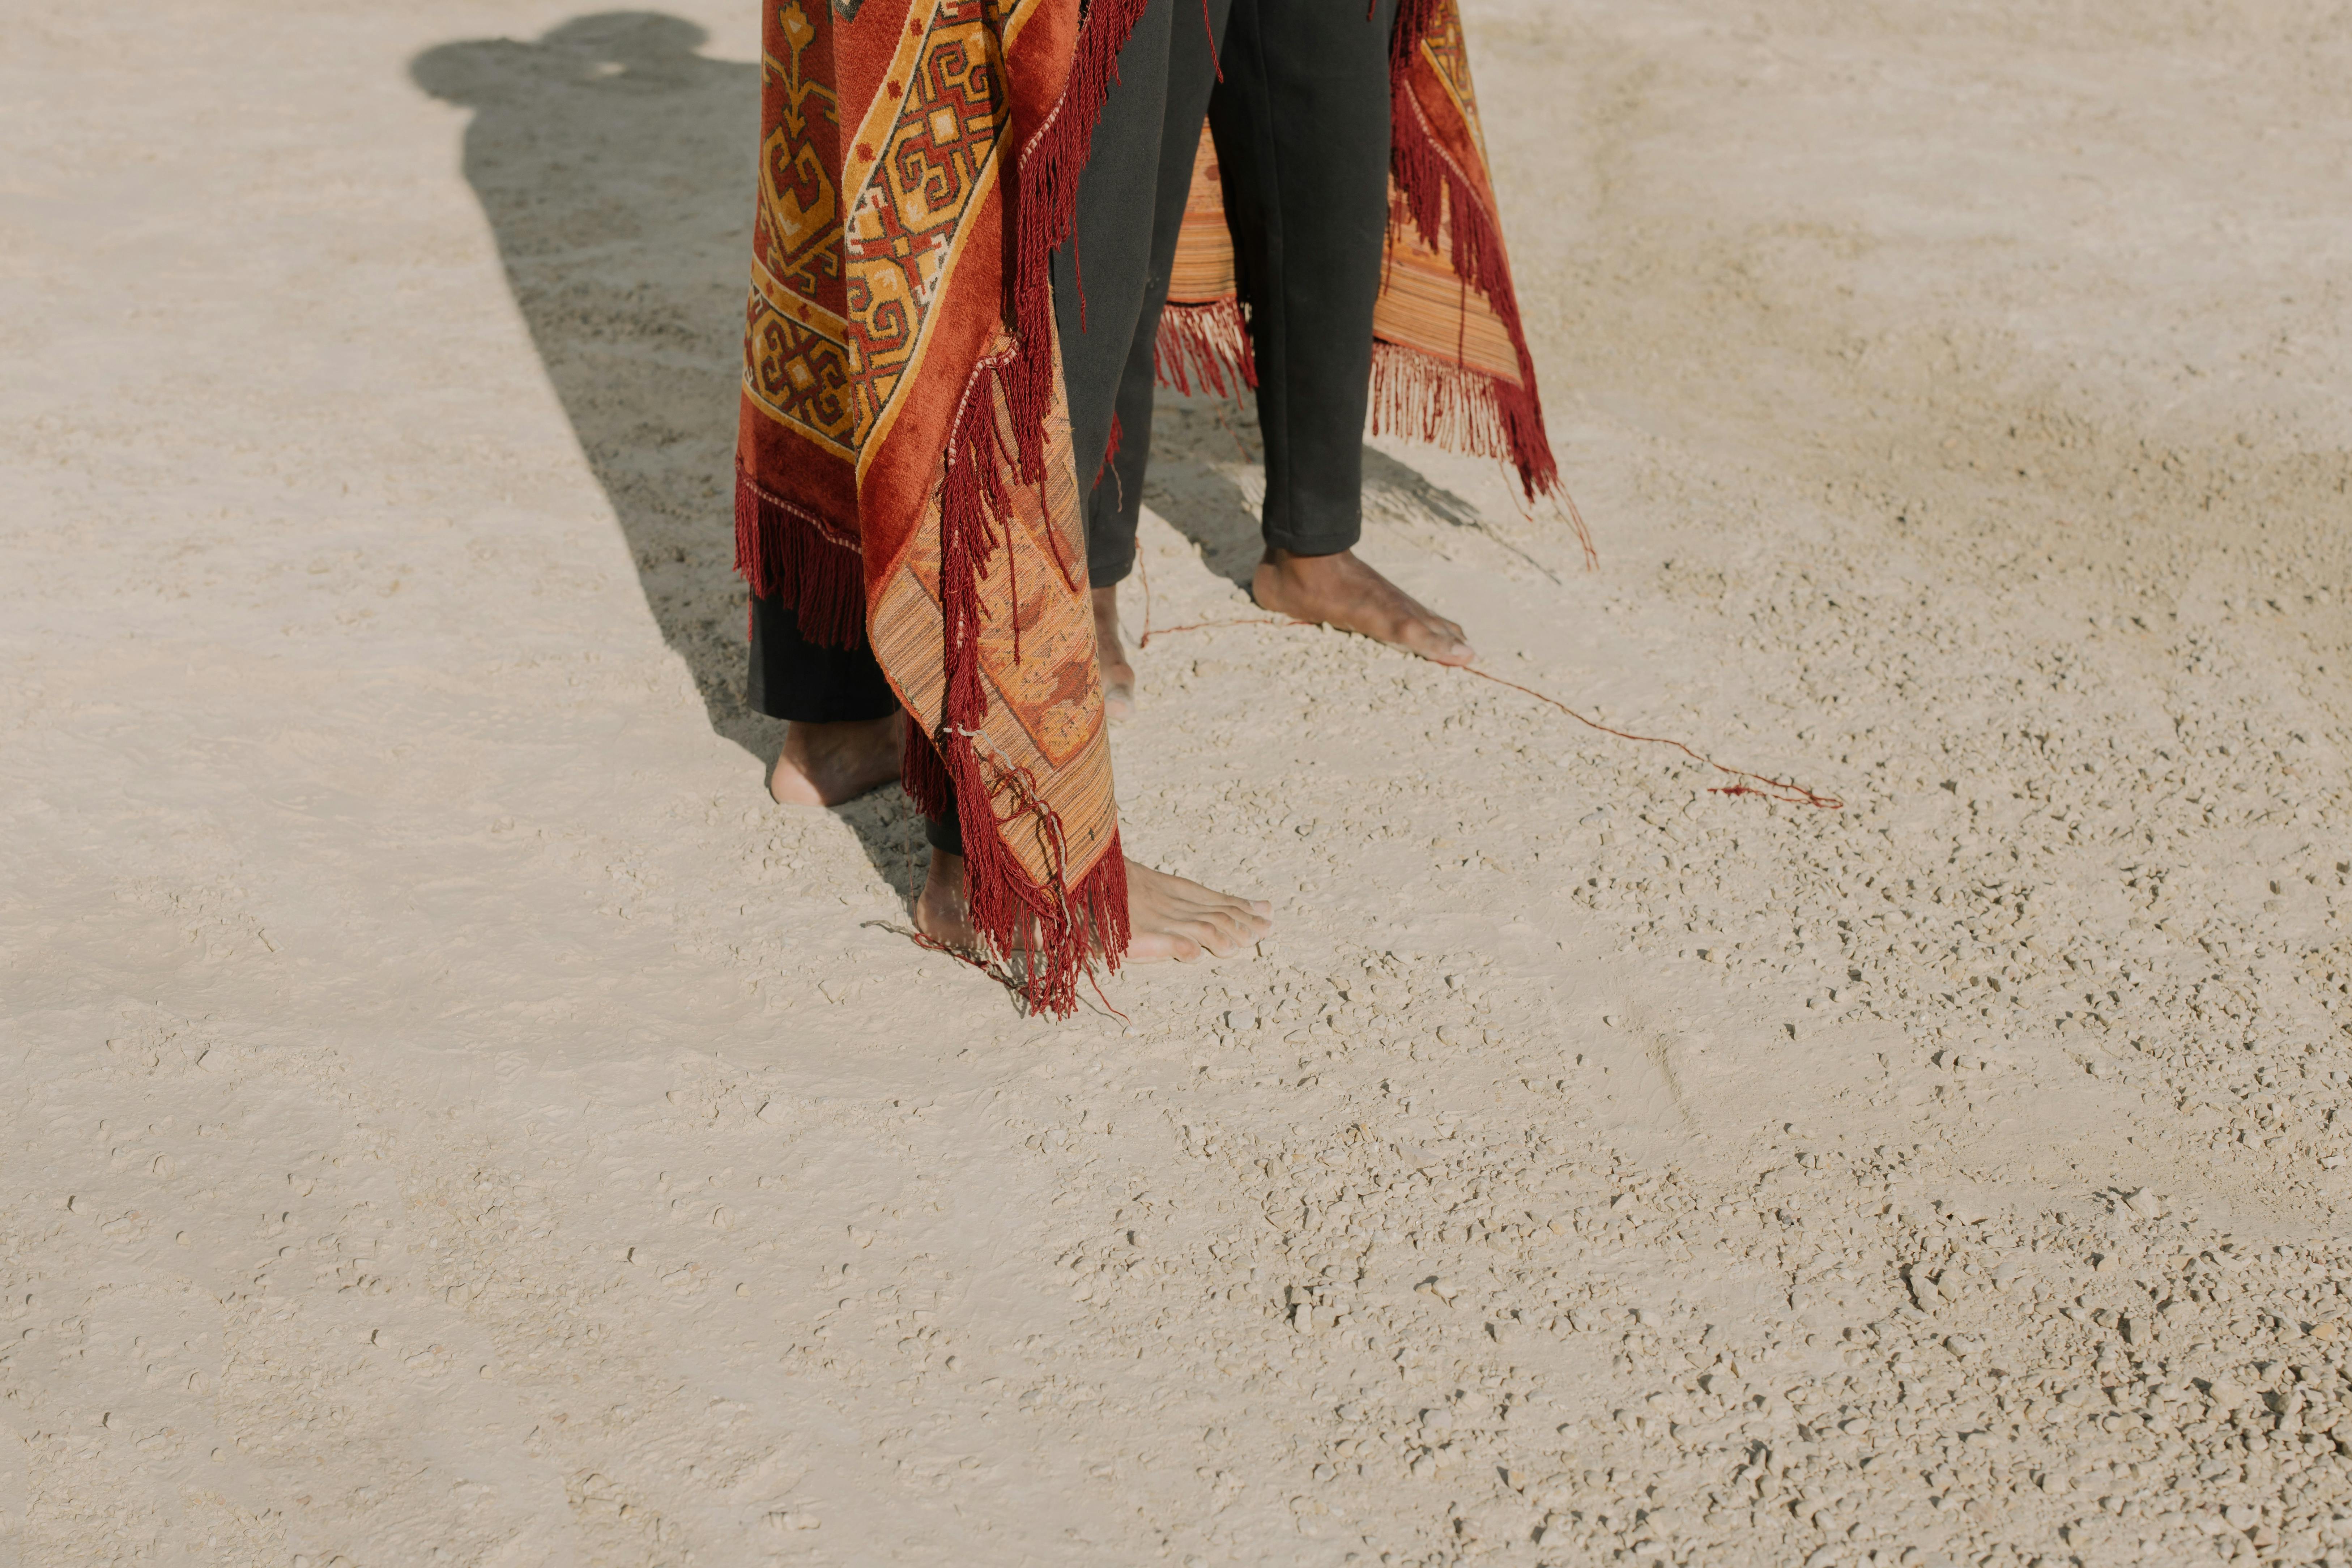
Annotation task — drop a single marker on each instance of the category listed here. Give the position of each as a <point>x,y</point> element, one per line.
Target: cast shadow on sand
<point>617,164</point>
<point>1198,442</point>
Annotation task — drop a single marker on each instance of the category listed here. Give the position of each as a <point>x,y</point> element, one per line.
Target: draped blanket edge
<point>903,464</point>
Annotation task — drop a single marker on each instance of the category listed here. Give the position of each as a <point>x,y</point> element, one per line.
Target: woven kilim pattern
<point>903,457</point>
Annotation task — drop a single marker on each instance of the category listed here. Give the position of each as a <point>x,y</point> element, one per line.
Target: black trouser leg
<point>1301,123</point>
<point>797,680</point>
<point>1111,282</point>
<point>794,678</point>
<point>1301,120</point>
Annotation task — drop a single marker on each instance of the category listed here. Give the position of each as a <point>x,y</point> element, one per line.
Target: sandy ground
<point>455,1118</point>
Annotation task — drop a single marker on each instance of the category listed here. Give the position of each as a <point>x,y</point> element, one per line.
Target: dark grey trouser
<point>1301,123</point>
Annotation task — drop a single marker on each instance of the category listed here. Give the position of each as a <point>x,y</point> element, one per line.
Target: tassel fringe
<point>779,550</point>
<point>1204,347</point>
<point>924,777</point>
<point>1044,208</point>
<point>1441,405</point>
<point>1047,942</point>
<point>1055,929</point>
<point>1437,199</point>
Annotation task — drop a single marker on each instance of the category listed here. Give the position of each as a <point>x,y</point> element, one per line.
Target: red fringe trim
<point>1052,938</point>
<point>1053,932</point>
<point>924,777</point>
<point>1044,208</point>
<point>780,550</point>
<point>1057,928</point>
<point>1205,346</point>
<point>1462,410</point>
<point>1435,190</point>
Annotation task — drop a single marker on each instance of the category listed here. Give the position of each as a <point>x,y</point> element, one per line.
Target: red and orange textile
<point>903,459</point>
<point>1450,361</point>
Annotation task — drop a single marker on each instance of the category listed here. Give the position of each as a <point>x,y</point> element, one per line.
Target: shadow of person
<point>616,166</point>
<point>1201,448</point>
<point>1202,444</point>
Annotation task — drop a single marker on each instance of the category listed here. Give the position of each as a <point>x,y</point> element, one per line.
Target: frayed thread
<point>1055,929</point>
<point>1462,410</point>
<point>783,552</point>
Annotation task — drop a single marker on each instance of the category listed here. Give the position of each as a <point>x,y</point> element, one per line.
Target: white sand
<point>457,1119</point>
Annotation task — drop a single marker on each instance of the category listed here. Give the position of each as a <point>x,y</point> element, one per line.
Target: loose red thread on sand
<point>978,960</point>
<point>999,973</point>
<point>1786,792</point>
<point>1145,640</point>
<point>1782,789</point>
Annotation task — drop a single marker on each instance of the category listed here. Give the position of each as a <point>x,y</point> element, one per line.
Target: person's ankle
<point>942,909</point>
<point>827,764</point>
<point>805,737</point>
<point>1284,559</point>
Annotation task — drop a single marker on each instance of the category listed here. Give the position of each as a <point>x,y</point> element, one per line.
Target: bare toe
<point>1343,591</point>
<point>1226,940</point>
<point>1172,918</point>
<point>1162,947</point>
<point>1439,647</point>
<point>1232,925</point>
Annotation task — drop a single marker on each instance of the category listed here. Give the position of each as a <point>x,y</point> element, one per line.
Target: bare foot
<point>1118,675</point>
<point>824,764</point>
<point>1172,918</point>
<point>1341,591</point>
<point>1168,916</point>
<point>942,912</point>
